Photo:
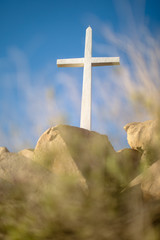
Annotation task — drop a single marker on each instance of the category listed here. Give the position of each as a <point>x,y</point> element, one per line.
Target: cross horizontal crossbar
<point>105,61</point>
<point>70,62</point>
<point>95,61</point>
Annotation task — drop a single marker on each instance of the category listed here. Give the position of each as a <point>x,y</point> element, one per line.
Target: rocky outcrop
<point>76,152</point>
<point>48,183</point>
<point>74,178</point>
<point>70,151</point>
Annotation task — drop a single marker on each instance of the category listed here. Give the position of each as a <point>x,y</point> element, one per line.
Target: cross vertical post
<point>85,121</point>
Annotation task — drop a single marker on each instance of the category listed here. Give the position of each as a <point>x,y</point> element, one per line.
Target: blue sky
<point>35,94</point>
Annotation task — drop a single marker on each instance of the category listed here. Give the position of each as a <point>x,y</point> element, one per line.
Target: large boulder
<point>72,151</point>
<point>145,137</point>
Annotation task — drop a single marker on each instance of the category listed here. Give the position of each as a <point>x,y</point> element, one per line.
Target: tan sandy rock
<point>141,135</point>
<point>17,168</point>
<point>29,153</point>
<point>3,150</point>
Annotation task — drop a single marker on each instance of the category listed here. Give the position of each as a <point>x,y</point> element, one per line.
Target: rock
<point>136,181</point>
<point>145,137</point>
<point>149,182</point>
<point>3,150</point>
<point>29,153</point>
<point>72,151</point>
<point>141,135</point>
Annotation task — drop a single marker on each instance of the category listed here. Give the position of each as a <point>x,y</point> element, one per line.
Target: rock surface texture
<point>29,153</point>
<point>15,167</point>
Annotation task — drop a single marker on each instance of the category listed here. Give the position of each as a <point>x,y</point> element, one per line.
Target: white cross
<point>87,62</point>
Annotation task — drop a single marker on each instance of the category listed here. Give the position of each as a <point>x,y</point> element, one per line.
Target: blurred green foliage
<point>60,209</point>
